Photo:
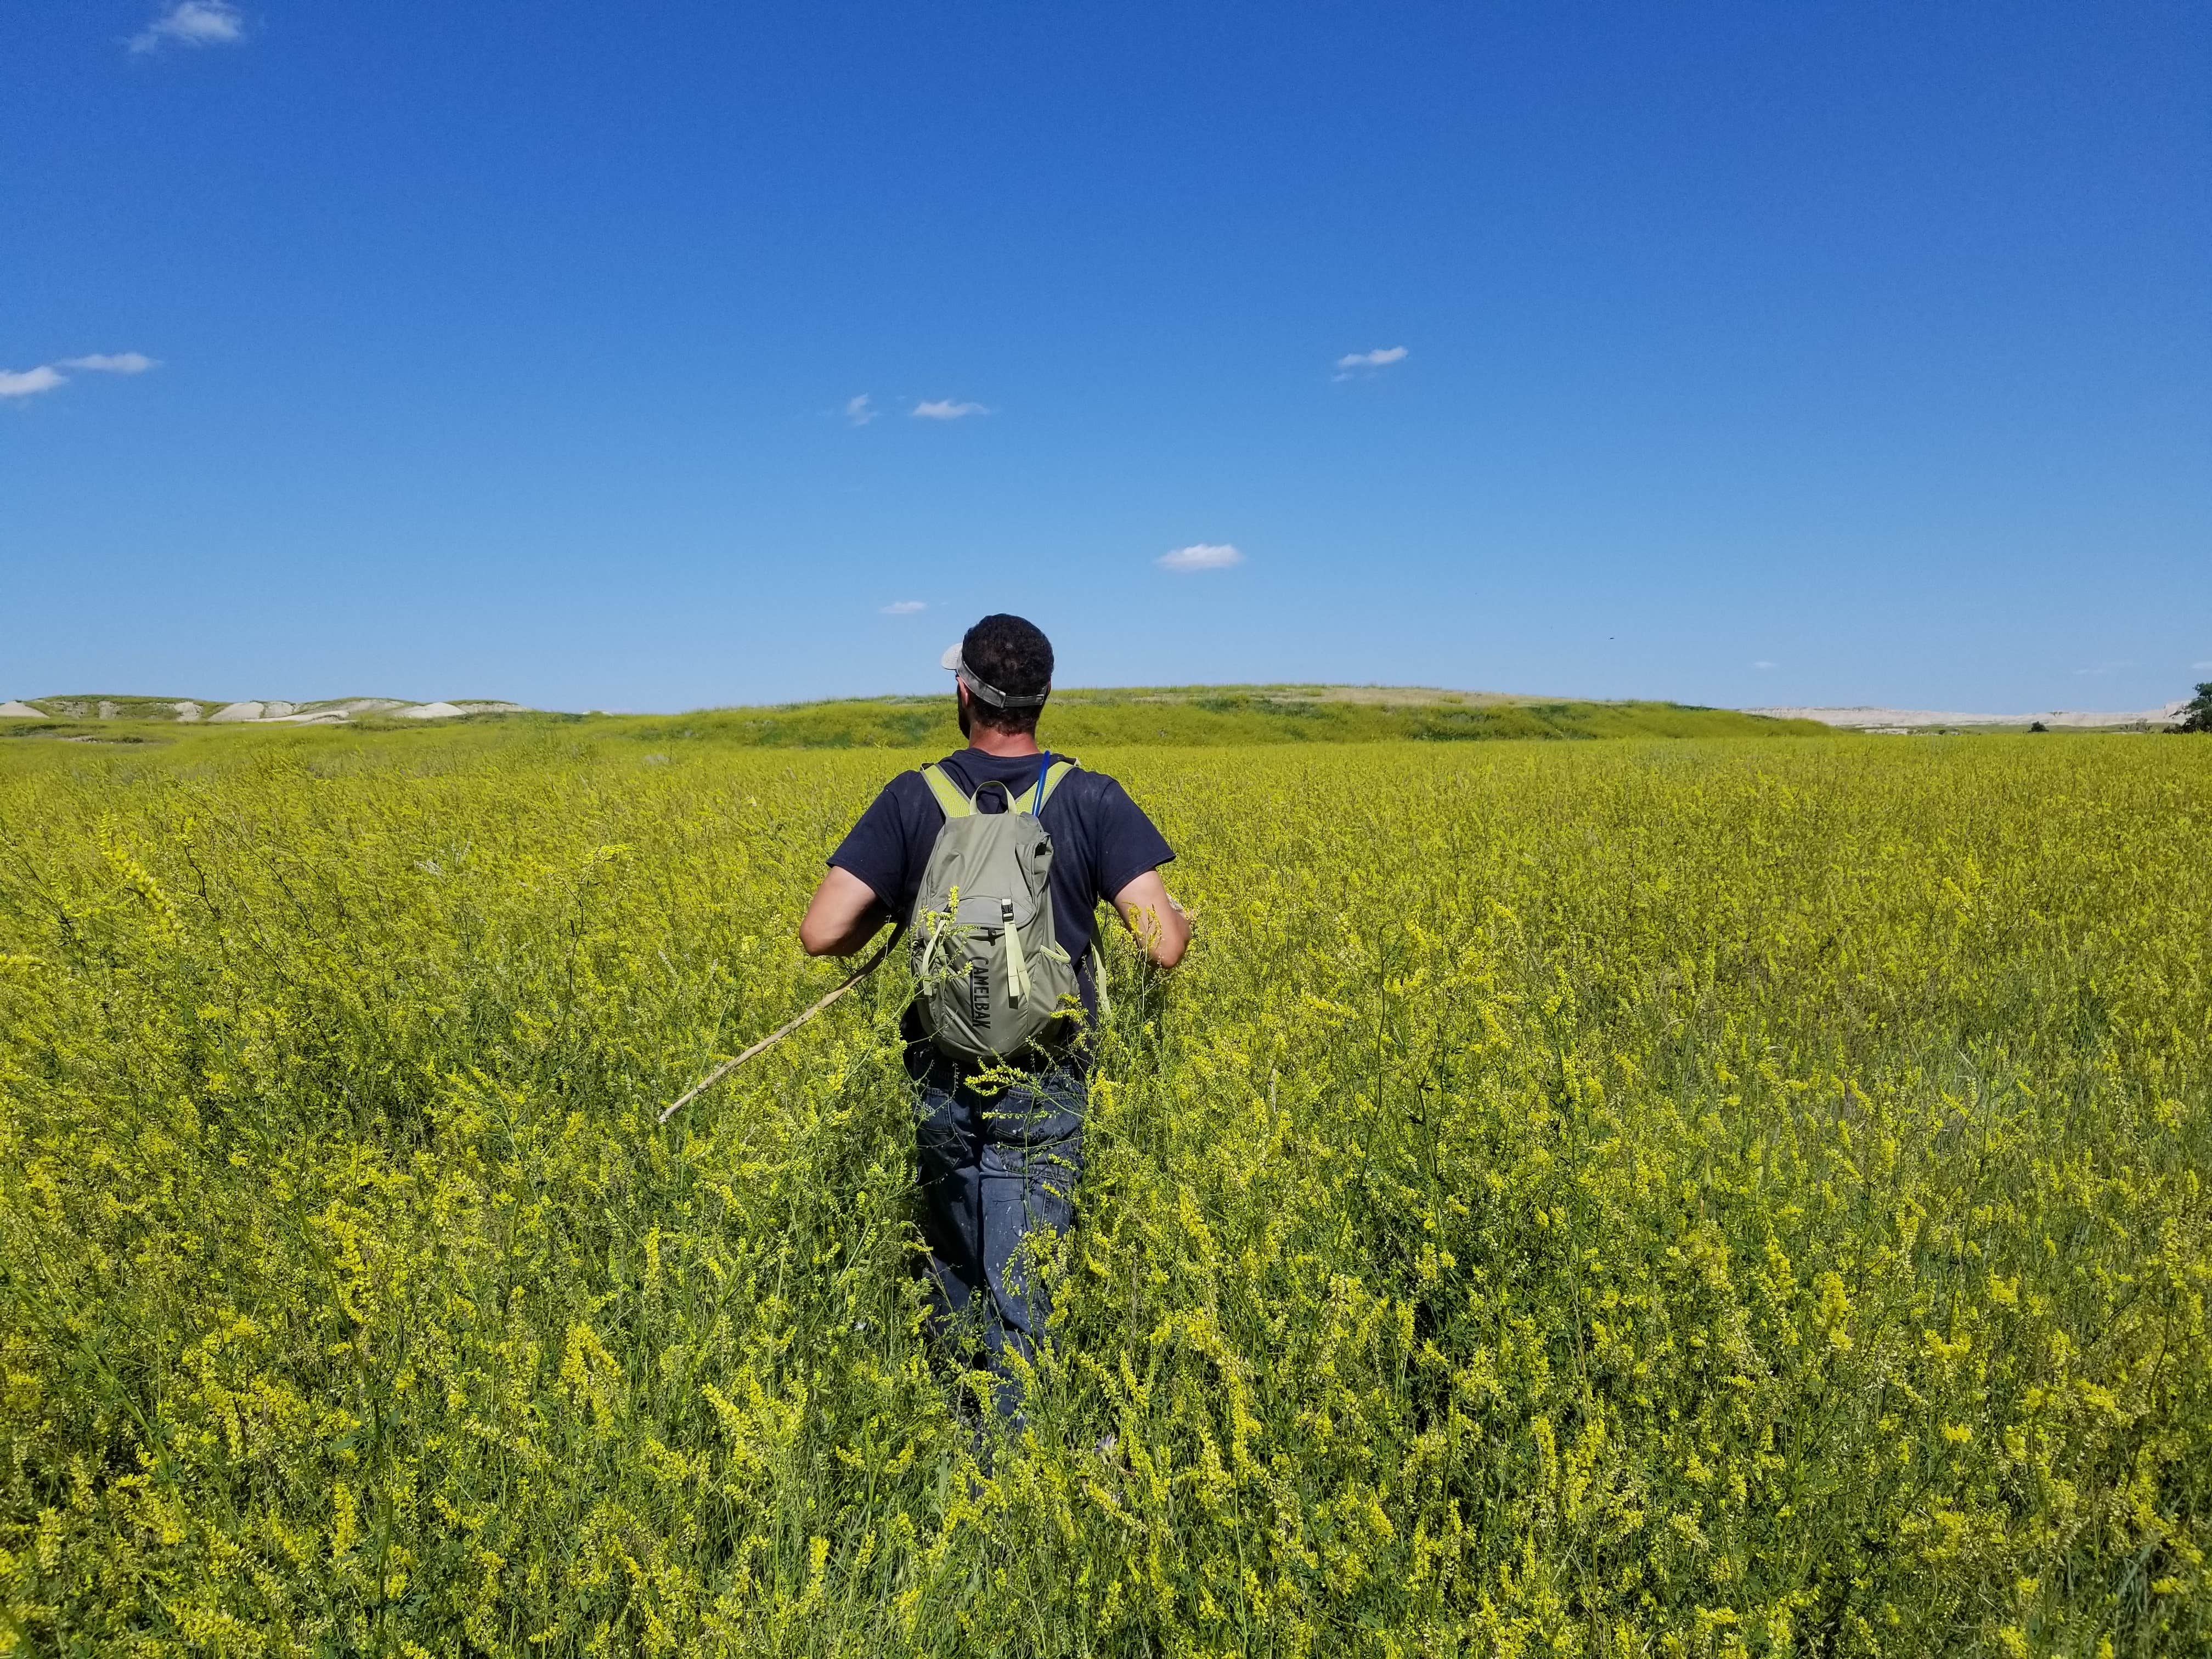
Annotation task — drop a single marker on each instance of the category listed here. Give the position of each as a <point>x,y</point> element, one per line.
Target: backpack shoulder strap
<point>1048,781</point>
<point>955,805</point>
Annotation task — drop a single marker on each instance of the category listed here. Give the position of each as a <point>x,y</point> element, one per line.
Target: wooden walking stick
<point>780,1031</point>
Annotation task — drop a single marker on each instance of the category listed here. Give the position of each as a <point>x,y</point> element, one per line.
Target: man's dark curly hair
<point>1013,655</point>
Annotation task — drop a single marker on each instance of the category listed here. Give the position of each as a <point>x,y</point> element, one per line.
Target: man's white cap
<point>989,694</point>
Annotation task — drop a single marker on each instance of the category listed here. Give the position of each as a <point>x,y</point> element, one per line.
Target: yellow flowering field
<point>1618,1197</point>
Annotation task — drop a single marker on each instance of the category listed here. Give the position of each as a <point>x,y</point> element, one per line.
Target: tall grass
<point>1602,1199</point>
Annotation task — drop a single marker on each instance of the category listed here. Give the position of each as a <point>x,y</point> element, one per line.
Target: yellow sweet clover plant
<point>1611,1198</point>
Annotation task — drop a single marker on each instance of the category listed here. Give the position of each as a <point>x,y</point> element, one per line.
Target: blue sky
<point>1751,353</point>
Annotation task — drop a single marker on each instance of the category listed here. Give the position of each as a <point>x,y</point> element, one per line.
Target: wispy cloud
<point>112,362</point>
<point>27,382</point>
<point>1200,555</point>
<point>944,409</point>
<point>905,607</point>
<point>2207,663</point>
<point>192,23</point>
<point>859,410</point>
<point>1366,362</point>
<point>1763,664</point>
<point>2101,669</point>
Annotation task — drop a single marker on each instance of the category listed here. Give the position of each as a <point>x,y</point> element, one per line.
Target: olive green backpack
<point>990,978</point>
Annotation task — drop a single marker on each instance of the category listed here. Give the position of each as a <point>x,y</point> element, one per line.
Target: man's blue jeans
<point>997,1186</point>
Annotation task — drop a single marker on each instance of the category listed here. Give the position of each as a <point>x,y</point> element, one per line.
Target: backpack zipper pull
<point>1018,967</point>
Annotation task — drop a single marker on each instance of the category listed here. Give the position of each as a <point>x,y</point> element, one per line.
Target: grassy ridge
<point>1223,715</point>
<point>1178,716</point>
<point>1609,1198</point>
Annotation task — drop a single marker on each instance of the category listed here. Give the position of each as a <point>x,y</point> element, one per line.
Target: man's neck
<point>1006,745</point>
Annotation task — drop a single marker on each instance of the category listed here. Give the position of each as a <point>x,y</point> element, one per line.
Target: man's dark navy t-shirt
<point>1100,841</point>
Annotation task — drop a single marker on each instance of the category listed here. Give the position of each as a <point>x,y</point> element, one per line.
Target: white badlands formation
<point>1908,717</point>
<point>268,712</point>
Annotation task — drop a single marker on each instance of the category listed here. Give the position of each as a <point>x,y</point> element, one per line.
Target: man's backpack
<point>990,978</point>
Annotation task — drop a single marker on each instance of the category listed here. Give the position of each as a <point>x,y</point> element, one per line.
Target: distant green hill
<point>1176,715</point>
<point>1186,715</point>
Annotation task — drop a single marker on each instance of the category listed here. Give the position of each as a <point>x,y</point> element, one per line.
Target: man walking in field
<point>996,858</point>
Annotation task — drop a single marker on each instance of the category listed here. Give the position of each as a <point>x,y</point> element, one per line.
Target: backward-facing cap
<point>989,694</point>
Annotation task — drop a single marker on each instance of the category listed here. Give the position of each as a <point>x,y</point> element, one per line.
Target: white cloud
<point>2206,664</point>
<point>859,410</point>
<point>113,362</point>
<point>1765,665</point>
<point>27,382</point>
<point>1358,363</point>
<point>1200,555</point>
<point>944,409</point>
<point>905,607</point>
<point>24,383</point>
<point>192,23</point>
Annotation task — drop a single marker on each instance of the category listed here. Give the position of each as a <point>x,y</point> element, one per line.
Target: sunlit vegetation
<point>1629,1198</point>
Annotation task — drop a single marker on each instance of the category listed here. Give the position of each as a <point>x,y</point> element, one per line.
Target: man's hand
<point>1155,918</point>
<point>843,915</point>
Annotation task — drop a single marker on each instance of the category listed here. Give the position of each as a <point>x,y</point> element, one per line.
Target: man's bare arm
<point>843,915</point>
<point>1155,918</point>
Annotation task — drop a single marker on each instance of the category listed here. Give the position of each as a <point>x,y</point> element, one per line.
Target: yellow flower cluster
<point>1620,1198</point>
